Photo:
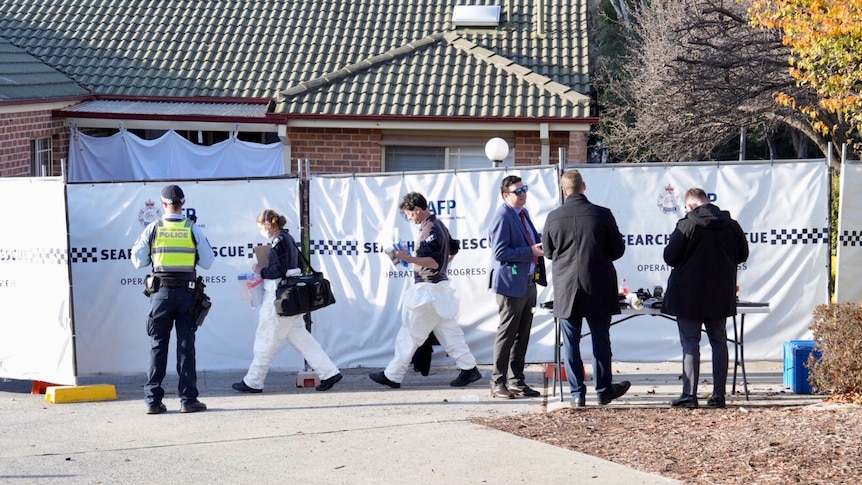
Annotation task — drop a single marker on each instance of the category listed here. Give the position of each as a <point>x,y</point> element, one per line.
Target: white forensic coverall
<point>272,330</point>
<point>427,307</point>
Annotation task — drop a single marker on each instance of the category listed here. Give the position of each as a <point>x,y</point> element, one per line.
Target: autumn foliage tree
<point>825,41</point>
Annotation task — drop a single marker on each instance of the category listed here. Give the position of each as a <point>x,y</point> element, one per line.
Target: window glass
<point>411,158</point>
<point>461,158</point>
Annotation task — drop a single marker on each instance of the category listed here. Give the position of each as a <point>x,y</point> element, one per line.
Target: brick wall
<point>17,130</point>
<point>576,151</point>
<point>338,150</point>
<point>528,147</point>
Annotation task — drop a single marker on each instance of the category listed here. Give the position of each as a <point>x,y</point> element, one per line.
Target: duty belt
<point>168,282</point>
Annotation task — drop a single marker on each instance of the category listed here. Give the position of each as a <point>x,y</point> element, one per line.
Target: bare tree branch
<point>622,11</point>
<point>695,73</point>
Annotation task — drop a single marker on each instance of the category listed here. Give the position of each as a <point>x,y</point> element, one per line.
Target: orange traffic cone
<point>550,368</point>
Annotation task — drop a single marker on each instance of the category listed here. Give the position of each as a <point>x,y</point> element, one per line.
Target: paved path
<point>358,433</point>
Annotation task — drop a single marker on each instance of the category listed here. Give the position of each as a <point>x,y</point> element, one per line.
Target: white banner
<point>125,156</point>
<point>110,308</point>
<point>782,207</point>
<point>848,284</point>
<point>353,219</point>
<point>36,329</point>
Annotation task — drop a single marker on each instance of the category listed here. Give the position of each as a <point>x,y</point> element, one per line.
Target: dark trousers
<point>600,328</point>
<point>513,335</point>
<point>170,308</point>
<point>689,337</point>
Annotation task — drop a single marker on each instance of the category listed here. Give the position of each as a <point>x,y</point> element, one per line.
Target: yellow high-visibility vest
<point>173,248</point>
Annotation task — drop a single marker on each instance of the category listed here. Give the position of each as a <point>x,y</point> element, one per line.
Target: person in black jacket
<point>273,329</point>
<point>704,251</point>
<point>583,241</point>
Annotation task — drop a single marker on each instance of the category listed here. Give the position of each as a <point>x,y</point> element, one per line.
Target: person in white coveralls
<point>273,329</point>
<point>430,304</point>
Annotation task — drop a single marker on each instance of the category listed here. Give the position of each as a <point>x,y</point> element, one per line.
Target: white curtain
<point>126,157</point>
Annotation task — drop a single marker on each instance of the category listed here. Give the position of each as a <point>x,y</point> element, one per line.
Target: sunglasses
<point>519,191</point>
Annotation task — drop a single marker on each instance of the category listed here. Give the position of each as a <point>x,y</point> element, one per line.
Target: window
<point>419,158</point>
<point>411,159</point>
<point>41,158</point>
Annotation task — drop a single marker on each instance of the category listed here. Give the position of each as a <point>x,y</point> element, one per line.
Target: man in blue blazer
<point>518,267</point>
<point>583,241</point>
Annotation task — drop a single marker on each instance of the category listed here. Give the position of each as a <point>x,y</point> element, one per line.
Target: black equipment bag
<point>297,295</point>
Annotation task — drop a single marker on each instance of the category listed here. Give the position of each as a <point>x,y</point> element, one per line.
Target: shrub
<point>837,329</point>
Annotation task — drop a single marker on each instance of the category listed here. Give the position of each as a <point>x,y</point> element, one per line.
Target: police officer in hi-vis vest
<point>173,245</point>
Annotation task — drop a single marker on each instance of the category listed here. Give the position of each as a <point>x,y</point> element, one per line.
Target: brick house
<point>30,137</point>
<point>361,86</point>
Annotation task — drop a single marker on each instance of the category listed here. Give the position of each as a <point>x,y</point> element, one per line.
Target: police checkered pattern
<point>340,248</point>
<point>84,255</point>
<point>851,238</point>
<point>52,256</point>
<point>35,255</point>
<point>800,236</point>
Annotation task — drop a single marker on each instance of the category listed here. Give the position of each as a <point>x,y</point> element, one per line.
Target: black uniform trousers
<point>171,308</point>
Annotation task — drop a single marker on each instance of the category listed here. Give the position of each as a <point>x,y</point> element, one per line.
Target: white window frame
<point>41,157</point>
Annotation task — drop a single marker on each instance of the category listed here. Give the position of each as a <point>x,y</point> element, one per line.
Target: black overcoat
<point>704,250</point>
<point>582,239</point>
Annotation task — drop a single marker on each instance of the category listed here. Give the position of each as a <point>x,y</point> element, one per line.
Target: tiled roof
<point>444,63</point>
<point>24,78</point>
<point>318,57</point>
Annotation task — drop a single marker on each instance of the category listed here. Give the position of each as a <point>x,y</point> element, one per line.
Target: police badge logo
<point>668,201</point>
<point>149,213</point>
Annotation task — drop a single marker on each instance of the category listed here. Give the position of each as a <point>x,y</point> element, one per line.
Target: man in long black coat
<point>583,241</point>
<point>704,250</point>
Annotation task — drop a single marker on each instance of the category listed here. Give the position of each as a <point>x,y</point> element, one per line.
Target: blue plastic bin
<point>796,354</point>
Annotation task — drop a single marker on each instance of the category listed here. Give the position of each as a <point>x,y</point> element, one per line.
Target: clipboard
<point>262,254</point>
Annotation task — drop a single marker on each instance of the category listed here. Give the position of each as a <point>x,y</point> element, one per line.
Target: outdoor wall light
<point>496,150</point>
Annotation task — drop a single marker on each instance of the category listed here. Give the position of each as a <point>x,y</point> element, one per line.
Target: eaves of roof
<point>220,110</point>
<point>167,108</point>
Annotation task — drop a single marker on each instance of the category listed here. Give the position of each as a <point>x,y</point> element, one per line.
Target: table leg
<point>742,353</point>
<point>735,356</point>
<point>739,354</point>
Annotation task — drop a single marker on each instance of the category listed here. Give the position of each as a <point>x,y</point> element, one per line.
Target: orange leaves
<point>825,37</point>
